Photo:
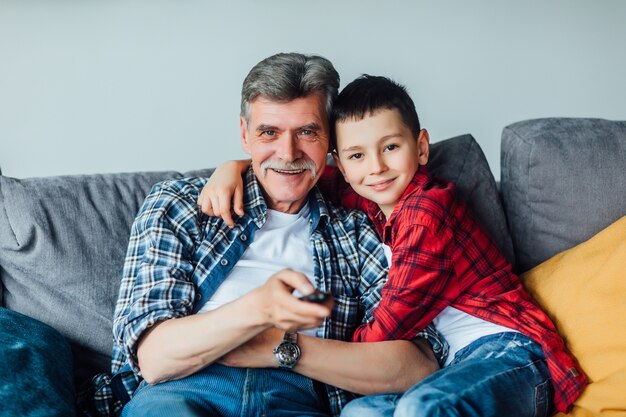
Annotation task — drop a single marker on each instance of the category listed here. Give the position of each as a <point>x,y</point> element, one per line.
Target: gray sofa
<point>63,239</point>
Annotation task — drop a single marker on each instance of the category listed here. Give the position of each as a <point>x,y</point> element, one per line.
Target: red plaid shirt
<point>441,256</point>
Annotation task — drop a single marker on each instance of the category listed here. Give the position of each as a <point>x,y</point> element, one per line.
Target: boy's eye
<point>355,156</point>
<point>391,147</point>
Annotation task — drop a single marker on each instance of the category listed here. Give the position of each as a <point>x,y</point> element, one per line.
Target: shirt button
<point>224,262</point>
<point>198,297</point>
<point>243,237</point>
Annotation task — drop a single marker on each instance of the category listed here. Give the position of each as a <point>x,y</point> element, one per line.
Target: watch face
<point>287,354</point>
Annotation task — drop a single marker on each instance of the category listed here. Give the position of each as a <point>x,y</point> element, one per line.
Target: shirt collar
<point>418,182</point>
<point>383,225</point>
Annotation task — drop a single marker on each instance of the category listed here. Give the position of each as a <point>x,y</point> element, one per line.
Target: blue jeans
<point>219,390</point>
<point>504,374</point>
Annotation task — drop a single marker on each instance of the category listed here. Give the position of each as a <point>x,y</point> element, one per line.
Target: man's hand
<point>256,352</point>
<point>286,312</point>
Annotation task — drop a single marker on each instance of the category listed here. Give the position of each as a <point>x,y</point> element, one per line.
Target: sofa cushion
<point>62,246</point>
<point>36,372</point>
<point>462,161</point>
<point>584,292</point>
<point>63,241</point>
<point>562,182</point>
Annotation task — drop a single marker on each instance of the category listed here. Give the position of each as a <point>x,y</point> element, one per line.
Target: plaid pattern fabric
<point>441,256</point>
<point>176,260</point>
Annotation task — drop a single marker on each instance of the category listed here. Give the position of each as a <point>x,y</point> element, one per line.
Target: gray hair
<point>287,76</point>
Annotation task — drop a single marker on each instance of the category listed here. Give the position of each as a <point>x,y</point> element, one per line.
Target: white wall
<point>129,85</point>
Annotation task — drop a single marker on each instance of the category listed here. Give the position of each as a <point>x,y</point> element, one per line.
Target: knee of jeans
<point>147,401</point>
<point>425,402</point>
<point>370,406</point>
<point>353,409</point>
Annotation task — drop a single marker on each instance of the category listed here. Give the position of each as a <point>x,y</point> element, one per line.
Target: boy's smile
<point>378,155</point>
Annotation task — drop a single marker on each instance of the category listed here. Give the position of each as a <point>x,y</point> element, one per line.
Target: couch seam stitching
<point>527,191</point>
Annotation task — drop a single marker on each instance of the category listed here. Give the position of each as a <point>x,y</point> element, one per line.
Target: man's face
<point>288,143</point>
<point>379,156</point>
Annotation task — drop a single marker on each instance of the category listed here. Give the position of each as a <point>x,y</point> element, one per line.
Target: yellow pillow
<point>584,291</point>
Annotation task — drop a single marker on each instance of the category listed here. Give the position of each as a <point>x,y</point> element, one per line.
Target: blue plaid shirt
<point>177,257</point>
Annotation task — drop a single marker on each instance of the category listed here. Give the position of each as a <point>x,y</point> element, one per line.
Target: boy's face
<point>379,156</point>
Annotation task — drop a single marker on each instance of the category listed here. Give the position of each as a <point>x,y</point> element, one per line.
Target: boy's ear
<point>423,147</point>
<point>243,129</point>
<point>338,162</point>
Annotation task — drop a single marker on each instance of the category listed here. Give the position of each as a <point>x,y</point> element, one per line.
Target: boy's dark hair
<point>368,94</point>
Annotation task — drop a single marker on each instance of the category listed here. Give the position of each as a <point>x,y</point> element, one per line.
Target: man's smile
<point>288,171</point>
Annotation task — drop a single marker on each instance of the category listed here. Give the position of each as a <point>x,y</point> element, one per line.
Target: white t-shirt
<point>282,242</point>
<point>459,328</point>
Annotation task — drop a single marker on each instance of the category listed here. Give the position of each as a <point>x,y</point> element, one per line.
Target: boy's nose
<point>377,165</point>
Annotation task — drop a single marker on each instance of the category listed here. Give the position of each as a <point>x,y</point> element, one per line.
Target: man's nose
<point>288,150</point>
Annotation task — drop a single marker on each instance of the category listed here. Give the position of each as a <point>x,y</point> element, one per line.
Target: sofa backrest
<point>563,180</point>
<point>462,161</point>
<point>63,241</point>
<point>62,246</point>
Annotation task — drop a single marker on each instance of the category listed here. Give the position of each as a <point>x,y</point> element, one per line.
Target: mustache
<point>297,165</point>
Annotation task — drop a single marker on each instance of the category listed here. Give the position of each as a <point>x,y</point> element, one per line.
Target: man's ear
<point>243,129</point>
<point>423,147</point>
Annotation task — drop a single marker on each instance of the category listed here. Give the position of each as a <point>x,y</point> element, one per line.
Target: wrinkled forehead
<point>288,113</point>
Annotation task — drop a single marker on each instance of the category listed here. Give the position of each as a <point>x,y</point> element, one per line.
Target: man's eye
<point>355,156</point>
<point>308,135</point>
<point>269,132</point>
<point>391,147</point>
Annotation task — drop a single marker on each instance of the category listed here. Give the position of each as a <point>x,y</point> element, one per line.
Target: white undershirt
<point>459,328</point>
<point>282,242</point>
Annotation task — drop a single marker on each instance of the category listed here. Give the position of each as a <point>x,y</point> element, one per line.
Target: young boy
<point>506,358</point>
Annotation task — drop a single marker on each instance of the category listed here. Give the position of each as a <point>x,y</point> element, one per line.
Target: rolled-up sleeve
<point>156,283</point>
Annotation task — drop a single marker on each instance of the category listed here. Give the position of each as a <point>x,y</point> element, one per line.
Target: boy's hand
<point>224,191</point>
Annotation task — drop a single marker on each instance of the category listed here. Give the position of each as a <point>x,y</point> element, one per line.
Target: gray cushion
<point>562,182</point>
<point>63,241</point>
<point>62,247</point>
<point>461,160</point>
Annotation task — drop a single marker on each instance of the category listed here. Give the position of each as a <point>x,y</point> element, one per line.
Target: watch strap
<point>291,337</point>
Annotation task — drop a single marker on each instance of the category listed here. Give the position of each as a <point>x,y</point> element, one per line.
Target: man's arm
<point>363,368</point>
<point>367,368</point>
<point>153,324</point>
<point>176,348</point>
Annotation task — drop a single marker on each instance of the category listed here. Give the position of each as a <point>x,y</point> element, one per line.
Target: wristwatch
<point>288,352</point>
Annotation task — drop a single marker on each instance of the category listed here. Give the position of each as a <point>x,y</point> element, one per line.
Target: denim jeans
<point>500,375</point>
<point>219,390</point>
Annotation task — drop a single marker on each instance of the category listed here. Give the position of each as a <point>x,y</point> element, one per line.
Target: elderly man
<point>207,321</point>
